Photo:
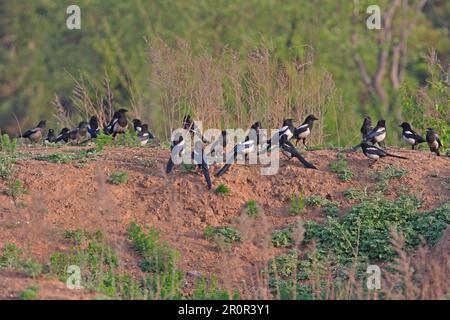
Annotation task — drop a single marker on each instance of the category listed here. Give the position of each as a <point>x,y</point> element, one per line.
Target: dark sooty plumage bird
<point>375,153</point>
<point>63,135</point>
<point>137,125</point>
<point>366,127</point>
<point>35,134</point>
<point>51,137</point>
<point>285,134</point>
<point>304,130</point>
<point>433,141</point>
<point>410,136</point>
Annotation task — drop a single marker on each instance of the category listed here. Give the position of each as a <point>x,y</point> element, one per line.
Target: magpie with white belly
<point>137,125</point>
<point>377,134</point>
<point>375,153</point>
<point>121,124</point>
<point>93,127</point>
<point>80,134</point>
<point>366,127</point>
<point>63,135</point>
<point>410,136</point>
<point>242,148</point>
<point>433,141</point>
<point>285,134</point>
<point>178,148</point>
<point>35,134</point>
<point>50,136</point>
<point>304,130</point>
<point>144,135</point>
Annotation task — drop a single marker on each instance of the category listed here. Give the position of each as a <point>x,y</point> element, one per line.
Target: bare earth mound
<point>69,196</point>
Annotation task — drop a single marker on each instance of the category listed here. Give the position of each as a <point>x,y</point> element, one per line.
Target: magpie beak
<point>433,141</point>
<point>410,136</point>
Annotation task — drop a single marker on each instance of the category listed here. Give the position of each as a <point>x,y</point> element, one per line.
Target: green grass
<point>118,177</point>
<point>31,268</point>
<point>10,257</point>
<point>7,169</point>
<point>187,168</point>
<point>355,194</point>
<point>297,205</point>
<point>340,167</point>
<point>15,189</point>
<point>252,208</point>
<point>222,190</point>
<point>223,237</point>
<point>317,201</point>
<point>31,293</point>
<point>8,145</point>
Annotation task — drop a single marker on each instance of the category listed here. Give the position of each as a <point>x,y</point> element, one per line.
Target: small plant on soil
<point>128,139</point>
<point>15,189</point>
<point>118,177</point>
<point>148,163</point>
<point>8,145</point>
<point>222,236</point>
<point>355,194</point>
<point>30,293</point>
<point>102,141</point>
<point>31,268</point>
<point>252,208</point>
<point>317,201</point>
<point>297,205</point>
<point>222,189</point>
<point>187,168</point>
<point>10,257</point>
<point>6,167</point>
<point>340,167</point>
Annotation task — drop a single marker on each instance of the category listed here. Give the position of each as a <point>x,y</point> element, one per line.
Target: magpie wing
<point>294,152</point>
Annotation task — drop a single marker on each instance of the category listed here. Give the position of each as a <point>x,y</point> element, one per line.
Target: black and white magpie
<point>50,136</point>
<point>410,136</point>
<point>366,127</point>
<point>63,135</point>
<point>377,134</point>
<point>144,135</point>
<point>93,128</point>
<point>304,130</point>
<point>285,134</point>
<point>118,124</point>
<point>137,125</point>
<point>178,147</point>
<point>242,148</point>
<point>80,134</point>
<point>375,153</point>
<point>433,141</point>
<point>35,134</point>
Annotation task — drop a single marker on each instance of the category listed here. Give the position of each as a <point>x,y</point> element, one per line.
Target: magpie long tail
<point>169,166</point>
<point>223,170</point>
<point>294,152</point>
<point>356,147</point>
<point>395,156</point>
<point>206,174</point>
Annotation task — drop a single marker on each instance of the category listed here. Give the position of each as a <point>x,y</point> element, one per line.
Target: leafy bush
<point>118,177</point>
<point>208,290</point>
<point>340,167</point>
<point>252,208</point>
<point>30,293</point>
<point>15,189</point>
<point>31,268</point>
<point>355,194</point>
<point>102,141</point>
<point>317,201</point>
<point>390,172</point>
<point>228,234</point>
<point>7,145</point>
<point>10,257</point>
<point>6,167</point>
<point>222,189</point>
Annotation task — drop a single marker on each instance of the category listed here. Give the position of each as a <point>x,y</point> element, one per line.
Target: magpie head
<point>93,122</point>
<point>381,123</point>
<point>288,122</point>
<point>137,122</point>
<point>256,126</point>
<point>145,128</point>
<point>64,130</point>
<point>310,119</point>
<point>83,125</point>
<point>51,131</point>
<point>367,120</point>
<point>405,126</point>
<point>187,122</point>
<point>42,124</point>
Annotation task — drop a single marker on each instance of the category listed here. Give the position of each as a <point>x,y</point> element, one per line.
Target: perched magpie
<point>433,141</point>
<point>80,134</point>
<point>366,127</point>
<point>410,136</point>
<point>178,147</point>
<point>63,135</point>
<point>144,135</point>
<point>118,123</point>
<point>304,130</point>
<point>242,148</point>
<point>377,134</point>
<point>93,127</point>
<point>50,136</point>
<point>35,134</point>
<point>137,125</point>
<point>376,153</point>
<point>285,134</point>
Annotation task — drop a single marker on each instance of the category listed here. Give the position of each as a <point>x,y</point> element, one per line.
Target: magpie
<point>178,147</point>
<point>81,133</point>
<point>50,136</point>
<point>366,127</point>
<point>304,130</point>
<point>242,148</point>
<point>189,125</point>
<point>137,125</point>
<point>377,134</point>
<point>35,134</point>
<point>120,125</point>
<point>410,136</point>
<point>63,135</point>
<point>433,141</point>
<point>93,127</point>
<point>144,135</point>
<point>285,134</point>
<point>375,153</point>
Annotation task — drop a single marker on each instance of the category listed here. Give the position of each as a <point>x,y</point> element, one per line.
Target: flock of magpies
<point>370,144</point>
<point>86,131</point>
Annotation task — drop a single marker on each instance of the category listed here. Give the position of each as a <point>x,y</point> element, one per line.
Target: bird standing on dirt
<point>93,128</point>
<point>242,148</point>
<point>50,136</point>
<point>304,130</point>
<point>63,135</point>
<point>366,127</point>
<point>80,134</point>
<point>410,136</point>
<point>433,141</point>
<point>375,153</point>
<point>377,134</point>
<point>285,134</point>
<point>35,134</point>
<point>144,135</point>
<point>118,123</point>
<point>137,125</point>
